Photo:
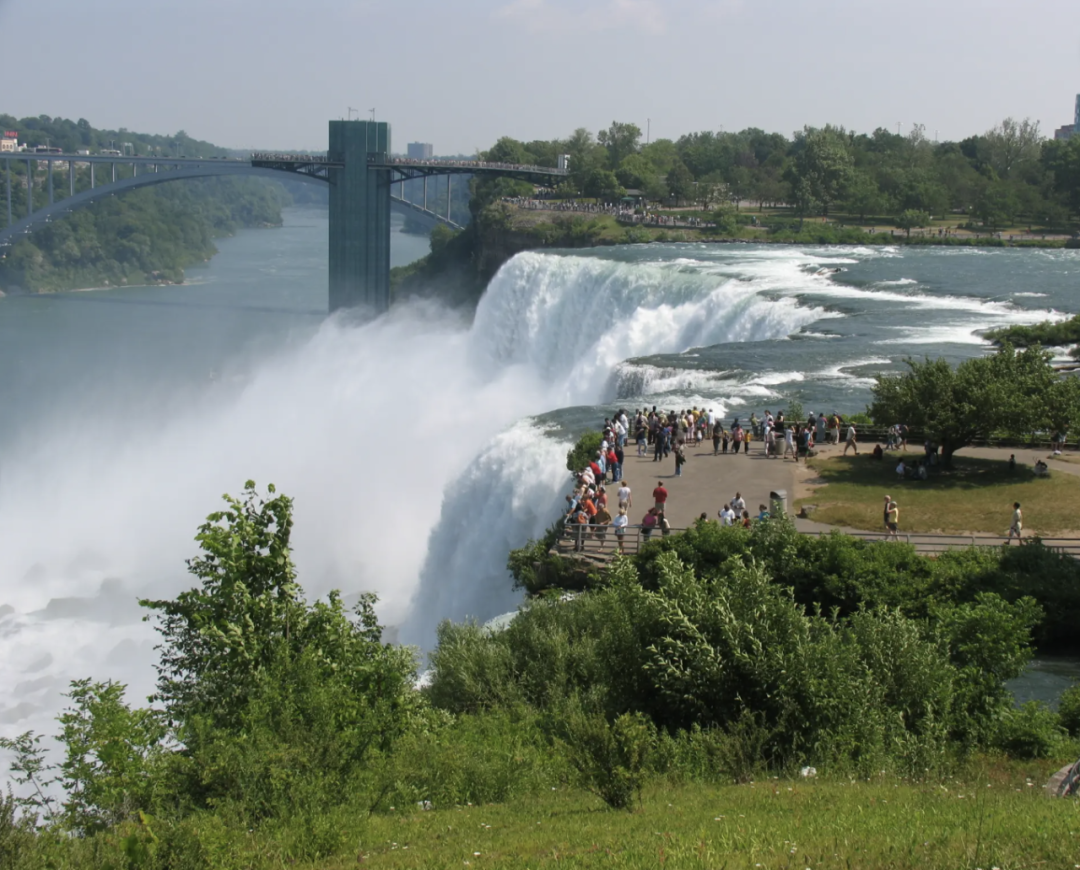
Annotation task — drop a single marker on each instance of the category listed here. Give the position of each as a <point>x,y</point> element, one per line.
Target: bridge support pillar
<point>359,216</point>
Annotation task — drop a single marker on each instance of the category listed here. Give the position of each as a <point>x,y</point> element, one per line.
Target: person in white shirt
<point>789,442</point>
<point>1017,523</point>
<point>620,523</point>
<point>851,441</point>
<point>625,501</point>
<point>727,515</point>
<point>738,504</point>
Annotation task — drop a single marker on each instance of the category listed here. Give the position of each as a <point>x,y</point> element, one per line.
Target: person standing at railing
<point>600,525</point>
<point>620,523</point>
<point>648,523</point>
<point>893,521</point>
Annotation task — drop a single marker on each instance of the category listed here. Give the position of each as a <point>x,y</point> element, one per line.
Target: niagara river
<point>419,447</point>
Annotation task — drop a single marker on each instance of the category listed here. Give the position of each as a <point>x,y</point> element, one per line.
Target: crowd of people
<point>622,211</point>
<point>666,434</point>
<point>590,513</point>
<point>466,164</point>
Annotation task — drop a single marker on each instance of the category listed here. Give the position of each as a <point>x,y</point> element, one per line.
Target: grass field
<point>999,819</point>
<point>976,496</point>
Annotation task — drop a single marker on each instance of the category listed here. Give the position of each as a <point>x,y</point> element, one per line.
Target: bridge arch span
<point>65,206</point>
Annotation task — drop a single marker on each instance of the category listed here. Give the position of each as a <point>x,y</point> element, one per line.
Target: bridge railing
<point>465,164</point>
<point>603,541</point>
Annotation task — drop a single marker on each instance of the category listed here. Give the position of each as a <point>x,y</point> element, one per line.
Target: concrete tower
<point>359,216</point>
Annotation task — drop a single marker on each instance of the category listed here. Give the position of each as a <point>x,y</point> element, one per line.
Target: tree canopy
<point>1010,392</point>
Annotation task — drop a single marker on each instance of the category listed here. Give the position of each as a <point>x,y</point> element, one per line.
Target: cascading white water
<point>406,442</point>
<point>573,319</point>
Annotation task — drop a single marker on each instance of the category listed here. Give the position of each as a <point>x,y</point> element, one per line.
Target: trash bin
<point>778,503</point>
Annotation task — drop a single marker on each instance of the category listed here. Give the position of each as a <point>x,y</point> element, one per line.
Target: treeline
<point>149,235</point>
<point>1004,176</point>
<point>73,136</point>
<point>279,725</point>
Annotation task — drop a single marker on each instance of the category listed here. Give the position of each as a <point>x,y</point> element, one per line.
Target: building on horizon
<point>1069,130</point>
<point>9,141</point>
<point>425,150</point>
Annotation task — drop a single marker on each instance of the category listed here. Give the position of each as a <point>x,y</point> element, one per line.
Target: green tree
<point>821,169</point>
<point>602,184</point>
<point>111,755</point>
<point>636,172</point>
<point>863,196</point>
<point>910,219</point>
<point>997,204</point>
<point>680,182</point>
<point>956,406</point>
<point>711,190</point>
<point>1062,160</point>
<point>621,140</point>
<point>1011,144</point>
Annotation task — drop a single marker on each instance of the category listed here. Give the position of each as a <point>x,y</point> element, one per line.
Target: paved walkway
<point>708,481</point>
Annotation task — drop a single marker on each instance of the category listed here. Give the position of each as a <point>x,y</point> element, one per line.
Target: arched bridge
<point>358,169</point>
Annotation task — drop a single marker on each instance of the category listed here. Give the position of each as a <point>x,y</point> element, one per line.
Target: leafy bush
<point>584,451</point>
<point>705,648</point>
<point>472,759</point>
<point>610,759</point>
<point>1030,731</point>
<point>1069,710</point>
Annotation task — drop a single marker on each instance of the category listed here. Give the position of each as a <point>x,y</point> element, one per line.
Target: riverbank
<point>461,264</point>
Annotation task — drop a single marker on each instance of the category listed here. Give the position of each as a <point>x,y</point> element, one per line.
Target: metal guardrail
<point>603,542</point>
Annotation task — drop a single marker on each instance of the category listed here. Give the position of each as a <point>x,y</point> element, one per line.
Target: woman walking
<point>1017,523</point>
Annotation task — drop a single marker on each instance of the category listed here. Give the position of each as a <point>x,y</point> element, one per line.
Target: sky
<point>269,74</point>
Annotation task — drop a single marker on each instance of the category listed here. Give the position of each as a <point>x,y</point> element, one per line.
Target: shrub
<point>1030,731</point>
<point>1069,710</point>
<point>584,451</point>
<point>609,759</point>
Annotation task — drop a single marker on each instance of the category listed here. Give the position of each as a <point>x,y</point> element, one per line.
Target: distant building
<point>1070,130</point>
<point>564,162</point>
<point>9,141</point>
<point>421,150</point>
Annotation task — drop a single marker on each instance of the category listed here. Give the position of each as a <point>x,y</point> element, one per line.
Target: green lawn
<point>997,819</point>
<point>976,496</point>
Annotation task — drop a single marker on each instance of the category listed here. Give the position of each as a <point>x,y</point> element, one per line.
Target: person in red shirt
<point>660,495</point>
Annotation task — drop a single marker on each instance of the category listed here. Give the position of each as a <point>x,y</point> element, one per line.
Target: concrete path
<point>707,481</point>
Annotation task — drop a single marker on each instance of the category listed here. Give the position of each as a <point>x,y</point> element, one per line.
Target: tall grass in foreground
<point>993,820</point>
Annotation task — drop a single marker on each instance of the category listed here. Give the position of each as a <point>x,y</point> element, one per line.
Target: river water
<point>419,447</point>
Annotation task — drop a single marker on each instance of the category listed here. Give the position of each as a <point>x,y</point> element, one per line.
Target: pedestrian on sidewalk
<point>625,500</point>
<point>738,504</point>
<point>851,440</point>
<point>680,459</point>
<point>893,521</point>
<point>1017,523</point>
<point>717,431</point>
<point>660,496</point>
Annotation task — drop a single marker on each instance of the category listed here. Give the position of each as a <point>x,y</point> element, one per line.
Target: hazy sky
<point>269,74</point>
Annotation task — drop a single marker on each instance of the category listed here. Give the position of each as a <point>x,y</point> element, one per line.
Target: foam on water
<point>407,443</point>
